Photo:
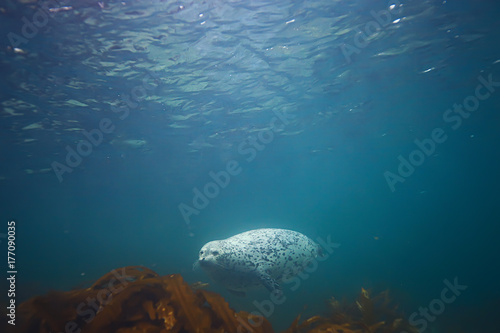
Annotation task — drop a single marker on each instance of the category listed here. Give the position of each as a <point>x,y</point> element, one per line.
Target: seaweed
<point>144,301</point>
<point>365,315</point>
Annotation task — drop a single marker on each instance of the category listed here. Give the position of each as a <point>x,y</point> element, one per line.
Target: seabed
<point>136,299</point>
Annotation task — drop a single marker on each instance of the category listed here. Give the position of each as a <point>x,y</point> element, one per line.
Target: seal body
<point>257,257</point>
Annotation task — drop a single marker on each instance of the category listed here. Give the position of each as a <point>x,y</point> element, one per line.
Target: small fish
<point>199,285</point>
<point>365,293</point>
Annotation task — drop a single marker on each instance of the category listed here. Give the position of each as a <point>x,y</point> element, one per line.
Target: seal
<point>261,257</point>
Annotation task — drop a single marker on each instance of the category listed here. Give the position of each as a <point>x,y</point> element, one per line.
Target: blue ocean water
<point>133,132</point>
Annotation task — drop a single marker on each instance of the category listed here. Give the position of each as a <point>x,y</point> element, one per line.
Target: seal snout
<point>205,260</point>
<point>202,262</point>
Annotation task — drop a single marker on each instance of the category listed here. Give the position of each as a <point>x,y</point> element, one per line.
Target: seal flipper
<point>271,284</point>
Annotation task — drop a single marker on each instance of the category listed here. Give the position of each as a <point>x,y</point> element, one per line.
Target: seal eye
<point>201,252</point>
<point>215,253</point>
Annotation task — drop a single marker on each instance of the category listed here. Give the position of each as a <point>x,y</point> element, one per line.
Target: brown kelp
<point>142,301</point>
<point>366,315</point>
<point>136,299</point>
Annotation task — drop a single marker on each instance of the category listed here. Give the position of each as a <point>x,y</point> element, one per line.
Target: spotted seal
<point>257,257</point>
